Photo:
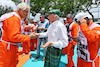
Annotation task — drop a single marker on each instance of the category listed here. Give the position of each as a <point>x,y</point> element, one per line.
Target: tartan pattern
<point>52,58</point>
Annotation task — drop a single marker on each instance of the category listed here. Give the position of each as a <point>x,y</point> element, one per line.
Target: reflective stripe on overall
<point>82,49</point>
<point>69,33</point>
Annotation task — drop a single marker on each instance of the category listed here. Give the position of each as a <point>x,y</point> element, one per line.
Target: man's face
<point>35,23</point>
<point>24,13</point>
<point>78,22</point>
<point>69,19</point>
<point>42,18</point>
<point>87,21</point>
<point>51,17</point>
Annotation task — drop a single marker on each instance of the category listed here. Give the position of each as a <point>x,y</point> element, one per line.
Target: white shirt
<point>43,25</point>
<point>56,33</point>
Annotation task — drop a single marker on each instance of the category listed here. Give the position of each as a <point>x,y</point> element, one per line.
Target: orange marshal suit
<point>11,34</point>
<point>73,27</point>
<point>92,35</point>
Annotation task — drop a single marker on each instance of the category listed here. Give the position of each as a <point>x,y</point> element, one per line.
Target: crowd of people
<point>55,37</point>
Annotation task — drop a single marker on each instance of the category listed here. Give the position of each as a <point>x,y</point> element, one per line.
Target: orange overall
<point>68,50</point>
<point>33,41</point>
<point>11,34</point>
<point>91,33</point>
<point>26,44</point>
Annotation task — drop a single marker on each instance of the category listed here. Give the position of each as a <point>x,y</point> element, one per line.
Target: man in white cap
<point>87,42</point>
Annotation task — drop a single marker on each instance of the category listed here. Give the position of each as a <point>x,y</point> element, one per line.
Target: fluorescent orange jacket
<point>73,27</point>
<point>92,39</point>
<point>12,30</point>
<point>88,45</point>
<point>11,34</point>
<point>73,32</point>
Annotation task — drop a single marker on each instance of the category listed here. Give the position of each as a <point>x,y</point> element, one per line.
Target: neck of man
<point>70,22</point>
<point>53,20</point>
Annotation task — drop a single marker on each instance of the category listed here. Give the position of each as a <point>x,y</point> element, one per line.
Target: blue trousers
<point>39,44</point>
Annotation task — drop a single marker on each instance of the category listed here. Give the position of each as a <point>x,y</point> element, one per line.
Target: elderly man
<point>87,42</point>
<point>72,29</point>
<point>12,35</point>
<point>57,39</point>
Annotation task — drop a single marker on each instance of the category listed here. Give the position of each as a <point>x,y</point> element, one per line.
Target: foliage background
<point>5,9</point>
<point>65,6</point>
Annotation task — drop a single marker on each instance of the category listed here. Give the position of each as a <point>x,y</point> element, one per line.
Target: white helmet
<point>79,15</point>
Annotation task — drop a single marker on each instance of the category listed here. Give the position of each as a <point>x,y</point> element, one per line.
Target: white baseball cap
<point>79,15</point>
<point>35,21</point>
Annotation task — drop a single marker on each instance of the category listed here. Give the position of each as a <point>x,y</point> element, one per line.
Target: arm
<point>28,28</point>
<point>91,35</point>
<point>47,25</point>
<point>43,35</point>
<point>75,29</point>
<point>14,29</point>
<point>39,28</point>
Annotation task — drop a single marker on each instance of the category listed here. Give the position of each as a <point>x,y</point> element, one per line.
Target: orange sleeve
<point>26,28</point>
<point>75,29</point>
<point>14,30</point>
<point>91,35</point>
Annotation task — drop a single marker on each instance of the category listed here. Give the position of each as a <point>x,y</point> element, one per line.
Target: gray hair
<point>69,16</point>
<point>23,6</point>
<point>43,16</point>
<point>55,15</point>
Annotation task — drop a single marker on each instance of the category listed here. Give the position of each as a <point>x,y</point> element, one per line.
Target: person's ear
<point>20,9</point>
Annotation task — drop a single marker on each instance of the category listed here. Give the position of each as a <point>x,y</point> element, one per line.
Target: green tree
<point>17,1</point>
<point>5,9</point>
<point>88,6</point>
<point>65,6</point>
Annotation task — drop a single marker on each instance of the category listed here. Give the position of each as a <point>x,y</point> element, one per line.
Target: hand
<point>75,39</point>
<point>46,44</point>
<point>29,28</point>
<point>72,47</point>
<point>45,28</point>
<point>37,34</point>
<point>34,35</point>
<point>82,20</point>
<point>39,28</point>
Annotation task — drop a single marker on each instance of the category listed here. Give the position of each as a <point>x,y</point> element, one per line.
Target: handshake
<point>34,35</point>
